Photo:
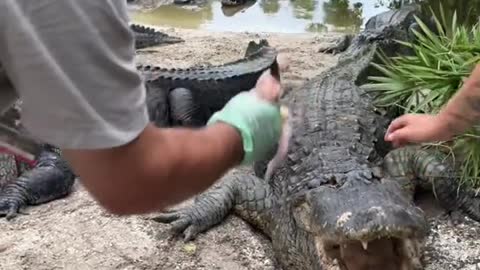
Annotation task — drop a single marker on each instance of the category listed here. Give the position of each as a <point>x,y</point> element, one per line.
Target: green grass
<point>425,82</point>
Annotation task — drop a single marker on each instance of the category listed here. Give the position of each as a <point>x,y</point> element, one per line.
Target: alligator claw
<point>184,221</point>
<point>9,210</point>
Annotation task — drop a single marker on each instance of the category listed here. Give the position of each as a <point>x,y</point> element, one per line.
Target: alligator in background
<point>387,17</point>
<point>337,199</point>
<point>22,184</point>
<point>231,10</point>
<point>188,97</point>
<point>174,97</point>
<point>149,37</point>
<point>235,3</point>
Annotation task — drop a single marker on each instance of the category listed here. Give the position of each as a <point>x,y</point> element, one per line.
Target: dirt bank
<point>74,233</point>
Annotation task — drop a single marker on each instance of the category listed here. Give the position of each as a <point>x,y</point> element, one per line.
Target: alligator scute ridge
<point>149,37</point>
<point>257,62</point>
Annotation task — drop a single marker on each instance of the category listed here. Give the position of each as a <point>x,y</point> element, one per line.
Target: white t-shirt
<point>71,62</point>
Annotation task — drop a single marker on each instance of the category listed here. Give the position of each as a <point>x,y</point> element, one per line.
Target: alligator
<point>21,185</point>
<point>233,3</point>
<point>343,197</point>
<point>407,16</point>
<point>51,178</point>
<point>188,97</point>
<point>231,10</point>
<point>148,37</point>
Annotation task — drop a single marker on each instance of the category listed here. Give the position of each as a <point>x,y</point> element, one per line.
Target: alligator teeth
<point>365,245</point>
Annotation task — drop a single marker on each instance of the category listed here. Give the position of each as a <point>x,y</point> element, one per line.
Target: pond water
<point>284,16</point>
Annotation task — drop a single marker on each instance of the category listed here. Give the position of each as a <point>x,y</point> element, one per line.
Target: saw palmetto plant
<point>426,80</point>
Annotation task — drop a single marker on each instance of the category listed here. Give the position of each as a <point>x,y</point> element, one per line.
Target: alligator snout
<point>364,225</point>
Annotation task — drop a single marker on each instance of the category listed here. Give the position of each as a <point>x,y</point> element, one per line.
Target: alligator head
<point>363,225</point>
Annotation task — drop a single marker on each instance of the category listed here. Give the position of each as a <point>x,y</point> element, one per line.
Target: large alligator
<point>175,97</point>
<point>148,37</point>
<point>335,200</point>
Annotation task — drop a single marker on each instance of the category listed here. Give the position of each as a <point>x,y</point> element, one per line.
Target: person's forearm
<point>170,165</point>
<point>463,110</point>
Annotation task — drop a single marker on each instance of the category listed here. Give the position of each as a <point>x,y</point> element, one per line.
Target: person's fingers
<point>268,87</point>
<point>283,62</point>
<point>396,124</point>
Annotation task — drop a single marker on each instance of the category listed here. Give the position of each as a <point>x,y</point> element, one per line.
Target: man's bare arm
<point>160,168</point>
<point>463,110</point>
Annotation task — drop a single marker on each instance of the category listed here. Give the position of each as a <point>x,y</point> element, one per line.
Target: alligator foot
<point>431,170</point>
<point>10,207</point>
<point>208,210</point>
<point>247,195</point>
<point>49,180</point>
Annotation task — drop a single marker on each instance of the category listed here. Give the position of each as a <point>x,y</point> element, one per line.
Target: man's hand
<point>417,128</point>
<point>165,166</point>
<point>256,116</point>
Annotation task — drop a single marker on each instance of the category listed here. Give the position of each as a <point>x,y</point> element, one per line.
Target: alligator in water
<point>208,90</point>
<point>231,10</point>
<point>235,3</point>
<point>148,37</point>
<point>189,96</point>
<point>335,200</point>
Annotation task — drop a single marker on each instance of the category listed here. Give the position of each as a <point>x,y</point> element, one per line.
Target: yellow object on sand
<point>284,113</point>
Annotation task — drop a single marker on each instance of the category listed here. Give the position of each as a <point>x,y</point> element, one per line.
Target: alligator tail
<point>148,37</point>
<point>431,169</point>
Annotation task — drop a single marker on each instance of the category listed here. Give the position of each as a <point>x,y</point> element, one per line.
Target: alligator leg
<point>184,110</point>
<point>247,195</point>
<point>157,106</point>
<point>430,169</point>
<point>50,179</point>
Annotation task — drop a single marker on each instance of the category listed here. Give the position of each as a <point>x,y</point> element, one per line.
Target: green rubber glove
<point>258,121</point>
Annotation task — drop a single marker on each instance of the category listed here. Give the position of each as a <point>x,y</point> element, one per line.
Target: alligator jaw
<point>364,225</point>
<point>383,253</point>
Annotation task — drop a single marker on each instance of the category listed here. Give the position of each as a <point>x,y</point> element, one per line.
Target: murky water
<point>285,16</point>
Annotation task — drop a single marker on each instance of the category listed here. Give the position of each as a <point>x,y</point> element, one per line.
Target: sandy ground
<point>75,233</point>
